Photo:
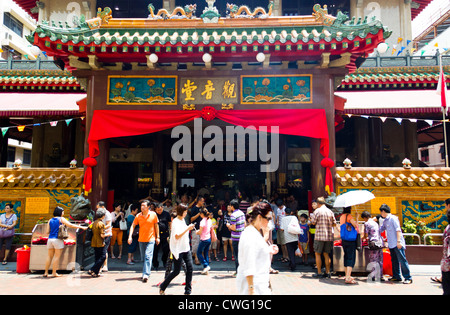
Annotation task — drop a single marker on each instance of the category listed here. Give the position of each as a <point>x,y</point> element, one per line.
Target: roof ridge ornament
<point>210,13</point>
<point>259,12</point>
<point>322,16</point>
<point>188,12</point>
<point>103,17</point>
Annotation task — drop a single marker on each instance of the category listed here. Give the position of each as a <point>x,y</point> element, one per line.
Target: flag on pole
<point>442,89</point>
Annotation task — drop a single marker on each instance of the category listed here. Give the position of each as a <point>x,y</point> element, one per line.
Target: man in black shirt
<point>164,220</point>
<point>196,219</point>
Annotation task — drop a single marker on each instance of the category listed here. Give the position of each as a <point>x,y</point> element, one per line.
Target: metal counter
<point>361,261</point>
<point>76,254</point>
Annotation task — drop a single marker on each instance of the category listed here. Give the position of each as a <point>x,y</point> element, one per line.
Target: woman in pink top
<point>205,233</point>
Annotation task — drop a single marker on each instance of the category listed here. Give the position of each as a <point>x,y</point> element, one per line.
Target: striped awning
<point>391,102</point>
<point>39,104</point>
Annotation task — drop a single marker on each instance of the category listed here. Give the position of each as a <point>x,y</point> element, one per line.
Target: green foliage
<point>409,227</point>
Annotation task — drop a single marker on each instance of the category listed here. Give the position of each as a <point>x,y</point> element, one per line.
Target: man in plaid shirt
<point>324,220</point>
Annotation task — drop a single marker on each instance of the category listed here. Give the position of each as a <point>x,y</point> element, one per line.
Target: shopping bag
<point>294,227</point>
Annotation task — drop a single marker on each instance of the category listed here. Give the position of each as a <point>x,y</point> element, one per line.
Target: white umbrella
<point>352,198</point>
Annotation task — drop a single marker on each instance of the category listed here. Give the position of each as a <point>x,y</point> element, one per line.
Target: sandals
<point>351,281</point>
<point>274,271</point>
<point>436,279</point>
<point>93,274</point>
<point>4,262</point>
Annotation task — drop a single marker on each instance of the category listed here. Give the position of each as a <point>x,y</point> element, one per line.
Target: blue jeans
<point>203,252</point>
<point>146,249</point>
<point>398,259</point>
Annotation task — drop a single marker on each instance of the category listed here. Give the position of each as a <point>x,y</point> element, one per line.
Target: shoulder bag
<point>62,231</point>
<point>4,232</point>
<point>348,231</point>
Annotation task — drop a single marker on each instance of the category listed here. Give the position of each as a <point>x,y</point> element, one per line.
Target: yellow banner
<point>378,201</point>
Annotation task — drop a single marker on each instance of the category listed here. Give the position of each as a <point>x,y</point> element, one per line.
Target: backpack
<point>348,232</point>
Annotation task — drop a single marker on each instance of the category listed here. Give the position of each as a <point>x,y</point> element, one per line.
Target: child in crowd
<point>214,244</point>
<point>304,238</point>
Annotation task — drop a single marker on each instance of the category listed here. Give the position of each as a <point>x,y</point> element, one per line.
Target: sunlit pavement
<point>126,279</point>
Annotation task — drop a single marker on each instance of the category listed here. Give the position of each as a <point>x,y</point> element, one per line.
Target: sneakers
<point>144,279</point>
<point>392,279</point>
<point>206,270</point>
<point>409,281</point>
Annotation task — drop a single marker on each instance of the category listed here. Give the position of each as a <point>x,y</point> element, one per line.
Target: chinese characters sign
<point>226,91</point>
<point>220,90</point>
<point>37,205</point>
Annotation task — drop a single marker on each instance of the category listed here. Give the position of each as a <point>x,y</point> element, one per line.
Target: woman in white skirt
<point>254,264</point>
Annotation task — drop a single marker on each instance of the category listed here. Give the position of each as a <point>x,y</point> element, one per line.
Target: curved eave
<point>136,49</point>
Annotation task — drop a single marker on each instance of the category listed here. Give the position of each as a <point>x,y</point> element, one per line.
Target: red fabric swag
<point>122,123</point>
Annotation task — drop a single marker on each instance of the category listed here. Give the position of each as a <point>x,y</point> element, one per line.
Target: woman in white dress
<point>254,264</point>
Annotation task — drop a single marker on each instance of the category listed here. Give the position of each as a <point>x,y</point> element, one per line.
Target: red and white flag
<point>442,90</point>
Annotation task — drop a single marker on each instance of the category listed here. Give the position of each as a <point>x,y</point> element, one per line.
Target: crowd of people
<point>195,231</point>
<point>252,233</point>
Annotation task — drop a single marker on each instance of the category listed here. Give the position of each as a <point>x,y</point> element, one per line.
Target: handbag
<point>358,241</point>
<point>123,225</point>
<point>135,231</point>
<point>348,232</point>
<point>294,227</point>
<point>89,235</point>
<point>4,233</point>
<point>7,233</point>
<point>62,231</point>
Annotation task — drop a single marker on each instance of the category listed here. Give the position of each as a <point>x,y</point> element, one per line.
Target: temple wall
<point>35,192</point>
<point>416,194</point>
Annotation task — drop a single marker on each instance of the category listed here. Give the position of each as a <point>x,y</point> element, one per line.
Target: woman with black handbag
<point>373,236</point>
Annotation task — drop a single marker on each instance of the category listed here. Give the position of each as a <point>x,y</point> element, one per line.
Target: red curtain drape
<point>121,123</point>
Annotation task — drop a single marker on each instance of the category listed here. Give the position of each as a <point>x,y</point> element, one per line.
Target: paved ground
<point>123,279</point>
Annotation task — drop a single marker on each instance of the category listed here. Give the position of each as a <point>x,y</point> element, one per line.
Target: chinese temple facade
<point>195,66</point>
<point>145,76</point>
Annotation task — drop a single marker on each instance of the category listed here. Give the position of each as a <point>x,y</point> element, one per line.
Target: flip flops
<point>436,279</point>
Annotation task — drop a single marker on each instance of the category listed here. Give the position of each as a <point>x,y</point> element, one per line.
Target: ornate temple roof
<point>394,77</point>
<point>38,81</point>
<point>179,36</point>
<point>392,176</point>
<point>41,177</point>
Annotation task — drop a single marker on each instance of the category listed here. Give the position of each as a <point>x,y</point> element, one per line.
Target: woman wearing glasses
<point>254,264</point>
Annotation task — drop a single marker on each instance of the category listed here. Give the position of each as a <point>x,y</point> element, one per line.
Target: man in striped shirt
<point>236,226</point>
<point>324,220</point>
